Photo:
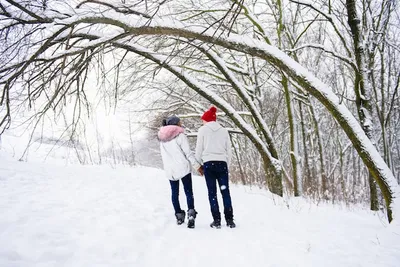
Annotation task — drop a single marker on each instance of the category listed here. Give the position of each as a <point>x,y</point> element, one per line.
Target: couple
<point>213,154</point>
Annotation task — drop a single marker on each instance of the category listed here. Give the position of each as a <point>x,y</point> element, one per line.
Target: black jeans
<point>188,188</point>
<point>218,171</point>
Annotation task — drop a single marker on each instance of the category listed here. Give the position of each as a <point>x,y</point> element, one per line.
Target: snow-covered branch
<point>322,48</point>
<point>331,21</point>
<point>124,9</point>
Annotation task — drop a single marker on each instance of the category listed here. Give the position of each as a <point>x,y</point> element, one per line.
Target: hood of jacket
<point>169,132</point>
<point>213,125</point>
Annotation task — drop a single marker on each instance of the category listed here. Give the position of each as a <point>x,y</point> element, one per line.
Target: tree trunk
<point>294,153</point>
<point>307,172</point>
<point>275,184</point>
<point>323,179</point>
<point>242,176</point>
<point>362,88</point>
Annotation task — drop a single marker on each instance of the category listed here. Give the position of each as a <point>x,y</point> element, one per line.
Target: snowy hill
<point>82,216</point>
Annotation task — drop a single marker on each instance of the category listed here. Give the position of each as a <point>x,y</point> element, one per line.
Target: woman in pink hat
<point>213,150</point>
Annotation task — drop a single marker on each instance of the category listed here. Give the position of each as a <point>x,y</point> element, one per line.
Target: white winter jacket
<point>213,143</point>
<point>175,152</point>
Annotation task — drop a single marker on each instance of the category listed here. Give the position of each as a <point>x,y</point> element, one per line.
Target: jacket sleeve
<point>199,146</point>
<point>229,148</point>
<point>188,153</point>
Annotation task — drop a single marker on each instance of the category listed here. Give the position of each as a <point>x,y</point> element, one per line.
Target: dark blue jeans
<point>188,188</point>
<point>217,171</point>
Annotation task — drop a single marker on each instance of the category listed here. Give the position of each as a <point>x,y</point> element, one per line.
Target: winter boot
<point>216,224</point>
<point>229,218</point>
<point>217,220</point>
<point>191,218</point>
<point>230,223</point>
<point>180,217</point>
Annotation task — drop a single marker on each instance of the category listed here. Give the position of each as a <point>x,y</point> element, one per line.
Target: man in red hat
<point>213,150</point>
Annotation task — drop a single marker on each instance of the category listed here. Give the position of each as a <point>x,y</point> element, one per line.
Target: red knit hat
<point>210,115</point>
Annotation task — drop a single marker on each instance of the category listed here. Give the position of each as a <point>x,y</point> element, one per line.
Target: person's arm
<point>199,146</point>
<point>229,148</point>
<point>188,152</point>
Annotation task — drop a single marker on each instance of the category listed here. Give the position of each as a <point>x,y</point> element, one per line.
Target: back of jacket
<point>175,152</point>
<point>213,143</point>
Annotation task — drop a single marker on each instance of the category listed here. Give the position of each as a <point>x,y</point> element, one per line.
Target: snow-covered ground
<point>53,214</point>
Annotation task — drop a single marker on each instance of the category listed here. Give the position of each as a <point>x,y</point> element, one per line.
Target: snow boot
<point>229,218</point>
<point>230,223</point>
<point>180,217</point>
<point>191,218</point>
<point>216,224</point>
<point>217,220</point>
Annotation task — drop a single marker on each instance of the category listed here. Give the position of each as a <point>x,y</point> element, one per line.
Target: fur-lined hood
<point>169,132</point>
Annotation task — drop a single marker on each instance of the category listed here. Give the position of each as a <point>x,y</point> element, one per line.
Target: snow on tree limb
<point>322,48</point>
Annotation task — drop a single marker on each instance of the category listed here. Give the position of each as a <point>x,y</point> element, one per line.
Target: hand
<point>201,170</point>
